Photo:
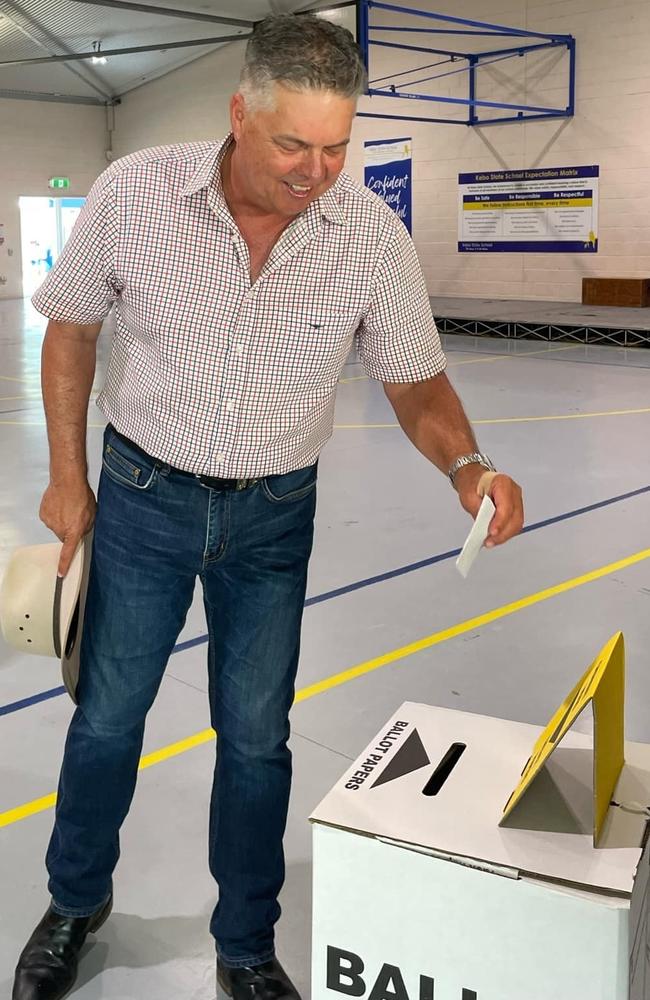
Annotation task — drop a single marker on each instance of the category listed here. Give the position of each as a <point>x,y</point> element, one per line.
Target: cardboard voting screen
<point>604,685</point>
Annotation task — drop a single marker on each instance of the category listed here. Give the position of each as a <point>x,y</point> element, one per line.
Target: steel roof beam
<point>146,8</point>
<point>34,95</point>
<point>15,15</point>
<point>158,47</point>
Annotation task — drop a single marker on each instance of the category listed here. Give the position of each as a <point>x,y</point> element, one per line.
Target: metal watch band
<point>476,458</point>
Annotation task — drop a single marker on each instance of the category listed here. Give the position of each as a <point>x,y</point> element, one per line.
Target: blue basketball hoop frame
<point>530,41</point>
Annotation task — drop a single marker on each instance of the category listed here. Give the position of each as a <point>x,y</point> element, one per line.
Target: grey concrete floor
<point>569,422</point>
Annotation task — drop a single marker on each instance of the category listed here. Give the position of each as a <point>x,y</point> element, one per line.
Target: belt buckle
<point>214,482</point>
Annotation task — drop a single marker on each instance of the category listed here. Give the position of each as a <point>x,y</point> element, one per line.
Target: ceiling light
<point>98,58</point>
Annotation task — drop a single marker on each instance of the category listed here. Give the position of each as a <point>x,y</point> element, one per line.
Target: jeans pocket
<point>126,466</point>
<point>291,486</point>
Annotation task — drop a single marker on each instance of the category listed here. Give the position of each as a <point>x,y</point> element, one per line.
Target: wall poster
<point>545,210</point>
<point>388,173</point>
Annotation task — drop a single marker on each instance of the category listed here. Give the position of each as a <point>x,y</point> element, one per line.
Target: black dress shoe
<point>255,982</point>
<point>47,967</point>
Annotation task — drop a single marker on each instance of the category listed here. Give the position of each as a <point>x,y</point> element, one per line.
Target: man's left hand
<point>506,495</point>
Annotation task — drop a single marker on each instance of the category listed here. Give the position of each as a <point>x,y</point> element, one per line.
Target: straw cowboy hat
<point>42,613</point>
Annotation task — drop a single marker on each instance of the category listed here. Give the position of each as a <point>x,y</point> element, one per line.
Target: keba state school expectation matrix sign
<point>549,210</point>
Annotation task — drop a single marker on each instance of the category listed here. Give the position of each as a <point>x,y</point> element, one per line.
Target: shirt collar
<point>209,169</point>
<point>209,173</point>
<point>330,205</point>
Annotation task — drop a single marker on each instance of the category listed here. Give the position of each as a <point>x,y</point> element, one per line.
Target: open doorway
<point>45,224</point>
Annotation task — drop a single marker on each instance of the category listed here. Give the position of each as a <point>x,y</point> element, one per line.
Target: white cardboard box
<point>426,897</point>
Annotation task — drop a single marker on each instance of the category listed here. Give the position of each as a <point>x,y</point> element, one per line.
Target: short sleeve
<point>397,339</point>
<point>82,285</point>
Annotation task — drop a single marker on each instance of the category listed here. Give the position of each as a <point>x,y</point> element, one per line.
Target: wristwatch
<point>476,458</point>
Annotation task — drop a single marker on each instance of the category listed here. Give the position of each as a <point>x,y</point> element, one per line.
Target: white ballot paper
<point>478,534</point>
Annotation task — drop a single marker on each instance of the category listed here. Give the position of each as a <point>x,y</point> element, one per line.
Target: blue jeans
<point>156,530</point>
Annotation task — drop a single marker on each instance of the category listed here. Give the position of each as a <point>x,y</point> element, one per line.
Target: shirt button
<point>230,406</point>
<point>240,348</point>
<point>220,457</point>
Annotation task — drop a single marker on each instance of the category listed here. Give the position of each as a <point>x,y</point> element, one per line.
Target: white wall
<point>611,128</point>
<point>190,103</point>
<point>45,140</point>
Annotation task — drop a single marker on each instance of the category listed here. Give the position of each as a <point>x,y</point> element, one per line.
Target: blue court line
<point>16,706</point>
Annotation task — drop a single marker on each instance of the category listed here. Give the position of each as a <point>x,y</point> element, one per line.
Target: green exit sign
<point>59,182</point>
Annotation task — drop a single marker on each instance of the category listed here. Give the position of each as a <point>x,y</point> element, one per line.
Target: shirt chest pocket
<point>309,346</point>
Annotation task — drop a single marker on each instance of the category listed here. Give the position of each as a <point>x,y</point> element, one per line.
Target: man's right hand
<point>69,511</point>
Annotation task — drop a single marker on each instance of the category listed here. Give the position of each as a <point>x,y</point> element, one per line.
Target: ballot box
<point>463,857</point>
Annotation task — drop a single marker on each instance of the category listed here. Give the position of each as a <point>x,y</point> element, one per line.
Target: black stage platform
<point>533,320</point>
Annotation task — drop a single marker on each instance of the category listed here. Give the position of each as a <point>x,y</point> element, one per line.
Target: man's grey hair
<point>301,52</point>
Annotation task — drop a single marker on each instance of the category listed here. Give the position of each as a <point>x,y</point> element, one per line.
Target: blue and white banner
<point>388,174</point>
<point>547,210</point>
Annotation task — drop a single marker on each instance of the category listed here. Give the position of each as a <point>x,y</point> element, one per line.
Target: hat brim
<point>72,620</point>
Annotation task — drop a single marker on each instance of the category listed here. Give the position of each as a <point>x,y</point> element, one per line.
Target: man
<point>240,274</point>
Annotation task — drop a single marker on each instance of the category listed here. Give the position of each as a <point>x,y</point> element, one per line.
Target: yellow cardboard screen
<point>604,685</point>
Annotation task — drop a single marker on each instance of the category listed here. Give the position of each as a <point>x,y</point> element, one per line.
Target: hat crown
<point>27,598</point>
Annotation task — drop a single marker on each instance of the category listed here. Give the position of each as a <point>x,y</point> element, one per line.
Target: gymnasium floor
<point>569,422</point>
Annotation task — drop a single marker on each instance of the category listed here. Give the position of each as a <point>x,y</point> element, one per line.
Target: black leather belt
<point>212,482</point>
<point>215,483</point>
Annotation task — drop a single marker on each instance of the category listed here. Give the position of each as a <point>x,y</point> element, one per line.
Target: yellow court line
<point>172,750</point>
<point>512,357</point>
<point>36,396</point>
<point>336,680</point>
<point>484,361</point>
<point>360,427</point>
<point>561,416</point>
<point>27,810</point>
<point>511,420</point>
<point>39,423</point>
<point>14,378</point>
